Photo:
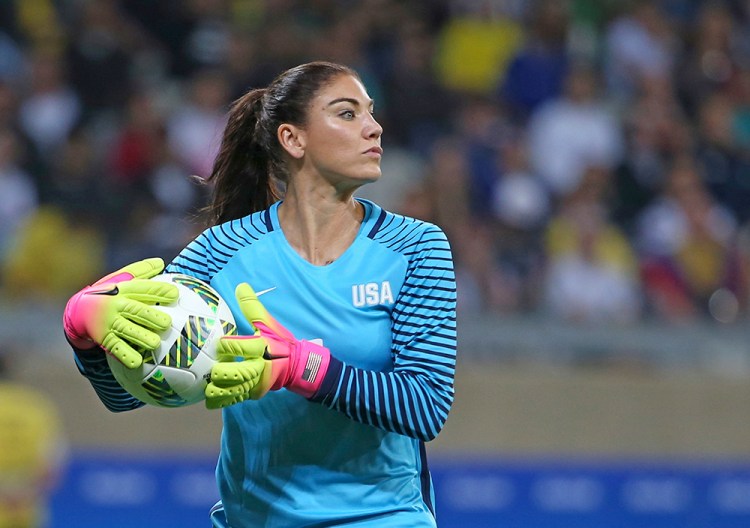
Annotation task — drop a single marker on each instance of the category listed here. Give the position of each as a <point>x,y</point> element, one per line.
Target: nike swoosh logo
<point>111,291</point>
<point>264,291</point>
<point>270,357</point>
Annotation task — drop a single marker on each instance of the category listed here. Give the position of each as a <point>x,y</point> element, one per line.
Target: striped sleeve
<point>95,368</point>
<point>415,397</point>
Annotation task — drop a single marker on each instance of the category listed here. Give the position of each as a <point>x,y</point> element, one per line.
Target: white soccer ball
<point>177,372</point>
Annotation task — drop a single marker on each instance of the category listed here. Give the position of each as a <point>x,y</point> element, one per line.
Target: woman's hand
<point>117,314</point>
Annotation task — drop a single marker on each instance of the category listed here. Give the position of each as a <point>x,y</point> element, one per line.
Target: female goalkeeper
<point>327,404</point>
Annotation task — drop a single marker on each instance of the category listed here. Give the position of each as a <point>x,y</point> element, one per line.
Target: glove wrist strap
<point>309,369</point>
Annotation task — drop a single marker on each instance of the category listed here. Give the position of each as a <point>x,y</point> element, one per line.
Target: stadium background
<point>589,161</point>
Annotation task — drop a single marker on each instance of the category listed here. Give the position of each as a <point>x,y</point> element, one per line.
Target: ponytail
<point>241,175</point>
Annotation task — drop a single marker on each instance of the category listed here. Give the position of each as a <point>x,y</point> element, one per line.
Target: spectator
<point>537,71</point>
<point>709,60</point>
<point>76,184</point>
<point>718,149</point>
<point>416,103</point>
<point>687,245</point>
<point>133,152</point>
<point>574,131</point>
<point>656,131</point>
<point>206,34</point>
<point>482,126</point>
<point>486,34</point>
<point>592,271</point>
<point>12,60</point>
<point>100,56</point>
<point>639,44</point>
<point>18,193</point>
<point>194,130</point>
<point>522,208</point>
<point>50,107</point>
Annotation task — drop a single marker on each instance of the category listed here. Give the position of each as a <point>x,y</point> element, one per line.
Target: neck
<point>320,228</point>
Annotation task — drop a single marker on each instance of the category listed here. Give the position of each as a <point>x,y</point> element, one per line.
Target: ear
<point>292,139</point>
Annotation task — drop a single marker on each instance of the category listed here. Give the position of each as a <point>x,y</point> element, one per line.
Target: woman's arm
<point>93,365</point>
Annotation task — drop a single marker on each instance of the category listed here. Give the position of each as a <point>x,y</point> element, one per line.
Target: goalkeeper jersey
<point>354,453</point>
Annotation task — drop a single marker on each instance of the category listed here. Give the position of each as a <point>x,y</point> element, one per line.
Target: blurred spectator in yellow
<point>687,242</point>
<point>475,45</point>
<point>592,272</point>
<point>52,253</point>
<point>32,450</point>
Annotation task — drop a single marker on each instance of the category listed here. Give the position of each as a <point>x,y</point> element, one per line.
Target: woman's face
<point>342,138</point>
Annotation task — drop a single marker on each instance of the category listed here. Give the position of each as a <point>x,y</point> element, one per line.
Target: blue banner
<point>172,490</point>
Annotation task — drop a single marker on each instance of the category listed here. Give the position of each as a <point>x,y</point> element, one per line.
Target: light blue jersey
<point>353,454</point>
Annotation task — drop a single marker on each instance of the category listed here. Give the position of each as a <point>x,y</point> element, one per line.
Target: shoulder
<point>213,248</point>
<point>405,234</point>
<point>241,231</point>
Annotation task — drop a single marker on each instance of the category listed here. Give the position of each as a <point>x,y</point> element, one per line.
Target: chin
<point>372,175</point>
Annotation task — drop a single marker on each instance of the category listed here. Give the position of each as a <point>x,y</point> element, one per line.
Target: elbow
<point>119,407</point>
<point>431,432</point>
<point>429,437</point>
<point>440,409</point>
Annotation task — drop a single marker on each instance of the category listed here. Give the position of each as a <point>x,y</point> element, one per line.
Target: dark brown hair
<point>249,167</point>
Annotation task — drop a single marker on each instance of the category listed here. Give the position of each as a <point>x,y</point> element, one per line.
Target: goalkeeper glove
<point>237,372</point>
<point>114,312</point>
<point>269,360</point>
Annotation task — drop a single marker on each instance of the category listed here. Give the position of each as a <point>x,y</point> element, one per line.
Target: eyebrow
<point>349,100</point>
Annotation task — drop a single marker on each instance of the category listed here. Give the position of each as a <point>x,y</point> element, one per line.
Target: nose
<point>372,129</point>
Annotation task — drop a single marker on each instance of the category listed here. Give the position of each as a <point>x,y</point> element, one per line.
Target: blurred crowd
<point>588,159</point>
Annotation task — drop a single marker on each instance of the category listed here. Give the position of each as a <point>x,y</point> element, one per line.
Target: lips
<point>375,150</point>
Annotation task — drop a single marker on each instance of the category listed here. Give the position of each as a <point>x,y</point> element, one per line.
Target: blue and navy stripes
<point>415,397</point>
<point>93,365</point>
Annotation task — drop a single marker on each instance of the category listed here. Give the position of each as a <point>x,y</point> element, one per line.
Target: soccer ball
<point>177,372</point>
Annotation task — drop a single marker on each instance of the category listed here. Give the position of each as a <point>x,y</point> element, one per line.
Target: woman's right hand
<point>117,314</point>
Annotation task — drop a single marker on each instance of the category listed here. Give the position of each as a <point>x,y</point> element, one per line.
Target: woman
<point>345,444</point>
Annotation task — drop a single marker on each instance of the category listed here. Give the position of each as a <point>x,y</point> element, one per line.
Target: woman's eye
<point>347,114</point>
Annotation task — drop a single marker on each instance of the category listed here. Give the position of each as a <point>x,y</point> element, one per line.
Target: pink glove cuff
<point>69,324</point>
<point>72,316</point>
<point>309,369</point>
